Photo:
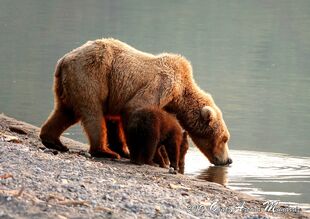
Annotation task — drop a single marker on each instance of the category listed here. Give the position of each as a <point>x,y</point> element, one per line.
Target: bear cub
<point>147,129</point>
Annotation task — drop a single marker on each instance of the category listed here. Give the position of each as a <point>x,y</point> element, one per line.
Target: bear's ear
<point>207,113</point>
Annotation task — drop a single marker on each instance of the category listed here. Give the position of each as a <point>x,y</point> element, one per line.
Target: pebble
<point>124,197</point>
<point>107,197</point>
<point>85,154</point>
<point>64,181</point>
<point>172,171</point>
<point>50,151</point>
<point>18,130</point>
<point>157,208</point>
<point>41,147</point>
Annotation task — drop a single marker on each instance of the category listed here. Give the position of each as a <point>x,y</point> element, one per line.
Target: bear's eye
<point>225,139</point>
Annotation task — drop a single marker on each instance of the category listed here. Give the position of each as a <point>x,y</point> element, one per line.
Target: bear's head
<point>212,140</point>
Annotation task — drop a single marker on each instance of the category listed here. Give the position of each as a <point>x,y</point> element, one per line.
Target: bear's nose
<point>218,162</point>
<point>229,161</point>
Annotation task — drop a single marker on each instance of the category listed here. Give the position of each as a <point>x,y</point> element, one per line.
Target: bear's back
<point>155,118</point>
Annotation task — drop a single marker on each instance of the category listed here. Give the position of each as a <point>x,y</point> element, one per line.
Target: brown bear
<point>147,129</point>
<point>117,142</point>
<point>109,77</point>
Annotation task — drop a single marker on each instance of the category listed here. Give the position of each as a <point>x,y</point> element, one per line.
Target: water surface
<point>273,176</point>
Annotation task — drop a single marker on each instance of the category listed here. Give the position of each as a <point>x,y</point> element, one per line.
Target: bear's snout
<point>218,162</point>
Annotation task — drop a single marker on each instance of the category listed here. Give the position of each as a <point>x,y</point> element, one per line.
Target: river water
<point>252,56</point>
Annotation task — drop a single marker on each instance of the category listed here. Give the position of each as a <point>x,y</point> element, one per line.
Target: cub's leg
<point>172,145</point>
<point>142,141</point>
<point>183,150</point>
<point>161,157</point>
<point>95,128</point>
<point>60,119</point>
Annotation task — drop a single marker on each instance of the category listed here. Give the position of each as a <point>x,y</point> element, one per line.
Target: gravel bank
<point>40,183</point>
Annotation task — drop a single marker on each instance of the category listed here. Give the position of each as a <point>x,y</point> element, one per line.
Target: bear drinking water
<point>109,77</point>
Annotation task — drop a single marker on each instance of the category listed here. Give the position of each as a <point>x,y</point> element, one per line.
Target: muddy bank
<point>39,183</point>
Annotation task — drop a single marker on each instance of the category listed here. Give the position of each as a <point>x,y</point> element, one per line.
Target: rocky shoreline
<point>40,183</point>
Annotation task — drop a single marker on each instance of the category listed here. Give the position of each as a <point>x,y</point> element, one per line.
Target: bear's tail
<point>58,86</point>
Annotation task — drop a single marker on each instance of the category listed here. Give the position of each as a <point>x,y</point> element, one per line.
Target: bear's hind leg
<point>57,123</point>
<point>95,128</point>
<point>161,157</point>
<point>142,142</point>
<point>116,136</point>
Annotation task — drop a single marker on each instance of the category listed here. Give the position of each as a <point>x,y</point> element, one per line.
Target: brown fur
<point>116,135</point>
<point>107,76</point>
<point>147,129</point>
<point>161,158</point>
<point>183,150</point>
<point>117,141</point>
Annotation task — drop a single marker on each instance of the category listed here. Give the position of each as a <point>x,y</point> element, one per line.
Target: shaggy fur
<point>183,150</point>
<point>107,76</point>
<point>117,142</point>
<point>161,158</point>
<point>147,129</point>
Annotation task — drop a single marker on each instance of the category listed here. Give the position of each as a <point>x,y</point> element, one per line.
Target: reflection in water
<point>268,175</point>
<point>215,174</point>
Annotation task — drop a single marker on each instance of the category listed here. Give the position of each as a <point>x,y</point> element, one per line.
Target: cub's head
<point>213,136</point>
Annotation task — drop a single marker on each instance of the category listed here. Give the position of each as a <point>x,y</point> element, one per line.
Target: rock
<point>157,208</point>
<point>85,154</point>
<point>61,216</point>
<point>107,197</point>
<point>174,186</point>
<point>42,148</point>
<point>50,151</point>
<point>172,170</point>
<point>9,138</point>
<point>18,130</point>
<point>64,181</point>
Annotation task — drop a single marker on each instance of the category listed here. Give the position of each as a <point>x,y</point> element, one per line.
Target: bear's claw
<point>57,146</point>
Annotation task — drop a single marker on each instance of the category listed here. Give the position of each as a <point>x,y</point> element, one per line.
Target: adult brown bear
<point>107,76</point>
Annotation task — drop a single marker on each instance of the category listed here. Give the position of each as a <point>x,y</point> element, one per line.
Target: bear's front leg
<point>172,146</point>
<point>183,150</point>
<point>95,128</point>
